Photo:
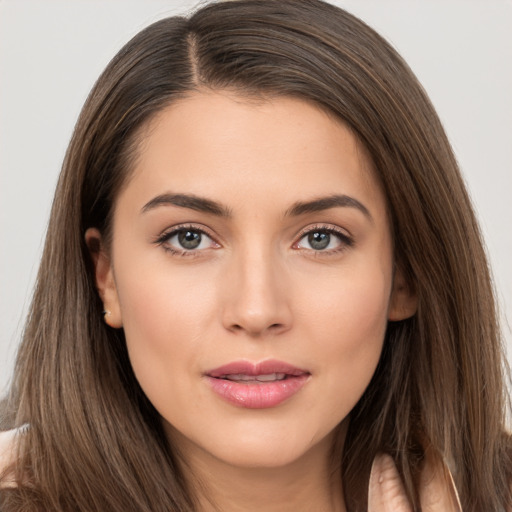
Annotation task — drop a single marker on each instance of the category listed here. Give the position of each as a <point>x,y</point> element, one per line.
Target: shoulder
<point>8,441</point>
<point>7,445</point>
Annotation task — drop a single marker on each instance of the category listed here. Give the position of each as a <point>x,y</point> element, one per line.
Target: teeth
<point>270,376</point>
<point>261,378</point>
<point>238,376</point>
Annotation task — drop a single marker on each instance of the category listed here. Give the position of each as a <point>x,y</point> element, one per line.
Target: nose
<point>256,296</point>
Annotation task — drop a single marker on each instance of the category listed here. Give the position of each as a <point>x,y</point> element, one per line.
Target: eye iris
<point>189,239</point>
<point>319,240</point>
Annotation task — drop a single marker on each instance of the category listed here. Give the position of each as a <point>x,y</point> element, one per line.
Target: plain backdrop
<point>51,52</point>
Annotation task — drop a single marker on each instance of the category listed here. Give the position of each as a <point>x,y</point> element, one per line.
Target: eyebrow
<point>204,205</point>
<point>190,201</point>
<point>325,203</point>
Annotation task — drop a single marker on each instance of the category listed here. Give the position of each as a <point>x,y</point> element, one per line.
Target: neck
<point>309,483</point>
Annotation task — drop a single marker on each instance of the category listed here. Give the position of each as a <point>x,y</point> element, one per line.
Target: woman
<point>263,286</point>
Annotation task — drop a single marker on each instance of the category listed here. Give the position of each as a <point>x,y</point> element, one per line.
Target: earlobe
<point>104,278</point>
<point>404,301</point>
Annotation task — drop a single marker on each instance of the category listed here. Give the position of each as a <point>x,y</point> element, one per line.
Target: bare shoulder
<point>8,440</point>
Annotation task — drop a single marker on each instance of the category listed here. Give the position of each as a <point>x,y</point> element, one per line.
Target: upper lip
<point>266,367</point>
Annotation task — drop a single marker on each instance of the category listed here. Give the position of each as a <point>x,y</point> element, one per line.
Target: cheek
<point>349,305</point>
<point>349,322</point>
<point>163,317</point>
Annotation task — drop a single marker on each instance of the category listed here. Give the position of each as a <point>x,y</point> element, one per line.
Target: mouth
<point>255,379</point>
<point>257,385</point>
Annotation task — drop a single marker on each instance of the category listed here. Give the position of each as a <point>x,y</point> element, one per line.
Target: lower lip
<point>260,395</point>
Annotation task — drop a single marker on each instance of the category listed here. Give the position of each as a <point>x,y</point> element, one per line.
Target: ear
<point>104,278</point>
<point>404,301</point>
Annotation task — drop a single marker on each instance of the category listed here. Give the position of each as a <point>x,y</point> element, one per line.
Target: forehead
<point>229,146</point>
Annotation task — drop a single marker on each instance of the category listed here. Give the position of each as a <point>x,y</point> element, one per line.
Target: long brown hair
<point>95,442</point>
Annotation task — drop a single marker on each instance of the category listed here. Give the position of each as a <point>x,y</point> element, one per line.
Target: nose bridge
<point>257,299</point>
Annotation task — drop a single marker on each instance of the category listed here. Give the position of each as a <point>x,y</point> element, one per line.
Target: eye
<point>324,239</point>
<point>183,240</point>
<point>188,239</point>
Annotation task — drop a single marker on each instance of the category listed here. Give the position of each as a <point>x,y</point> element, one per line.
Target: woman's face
<point>251,270</point>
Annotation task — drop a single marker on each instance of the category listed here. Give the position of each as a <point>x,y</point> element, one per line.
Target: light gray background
<point>52,51</point>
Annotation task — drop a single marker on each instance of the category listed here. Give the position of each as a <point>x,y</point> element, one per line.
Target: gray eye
<point>319,240</point>
<point>323,240</point>
<point>189,239</point>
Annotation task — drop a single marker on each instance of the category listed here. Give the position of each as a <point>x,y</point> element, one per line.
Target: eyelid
<point>332,228</point>
<point>346,238</point>
<point>168,233</point>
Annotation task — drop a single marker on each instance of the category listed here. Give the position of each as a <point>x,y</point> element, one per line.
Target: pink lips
<point>257,386</point>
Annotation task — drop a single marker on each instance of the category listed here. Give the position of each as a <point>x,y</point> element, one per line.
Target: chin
<point>269,446</point>
<point>267,456</point>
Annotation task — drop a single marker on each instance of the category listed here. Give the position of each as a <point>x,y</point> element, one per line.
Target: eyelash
<point>190,253</point>
<point>346,241</point>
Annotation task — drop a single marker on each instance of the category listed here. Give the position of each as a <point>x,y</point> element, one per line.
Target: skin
<point>254,289</point>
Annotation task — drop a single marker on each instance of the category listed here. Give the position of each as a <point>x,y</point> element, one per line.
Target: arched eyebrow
<point>190,201</point>
<point>204,205</point>
<point>325,203</point>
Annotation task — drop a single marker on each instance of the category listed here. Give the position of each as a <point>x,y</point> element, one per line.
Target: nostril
<point>274,328</point>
